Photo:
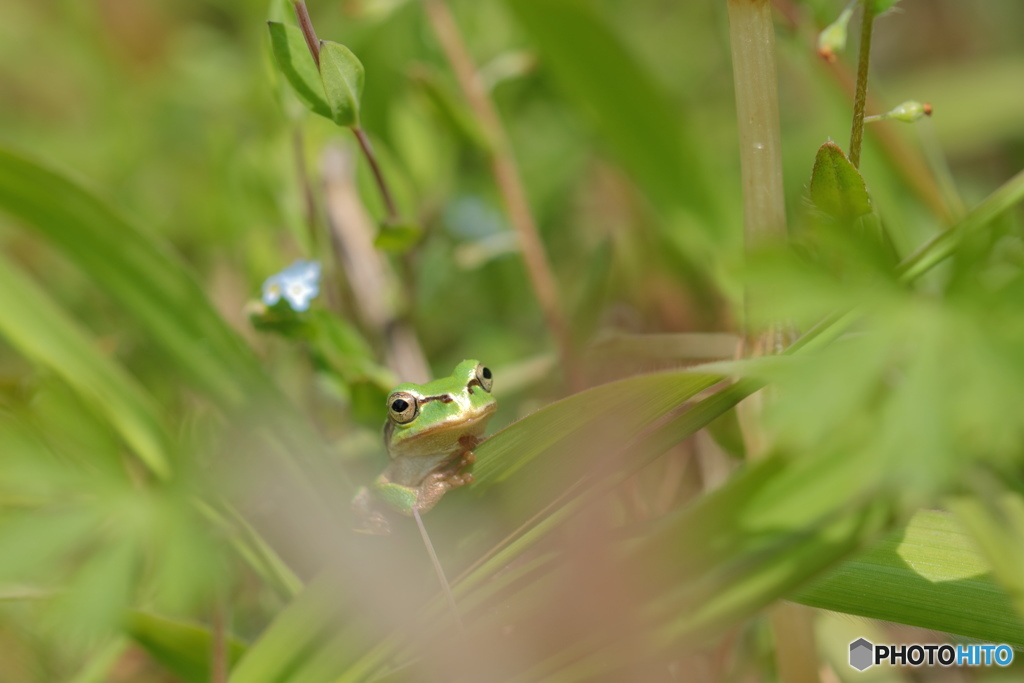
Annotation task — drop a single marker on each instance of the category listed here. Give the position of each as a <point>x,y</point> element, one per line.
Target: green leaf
<point>136,271</point>
<point>342,75</point>
<point>879,6</point>
<point>581,430</point>
<point>398,238</point>
<point>305,632</point>
<point>182,648</point>
<point>297,65</point>
<point>927,574</point>
<point>37,327</point>
<point>837,188</point>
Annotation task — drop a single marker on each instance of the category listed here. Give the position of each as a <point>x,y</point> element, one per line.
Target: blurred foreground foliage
<point>174,479</point>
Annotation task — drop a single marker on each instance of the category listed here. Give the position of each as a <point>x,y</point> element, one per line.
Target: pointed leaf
<point>297,65</point>
<point>837,188</point>
<point>342,75</point>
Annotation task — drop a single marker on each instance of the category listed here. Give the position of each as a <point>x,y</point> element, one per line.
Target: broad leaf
<point>297,65</point>
<point>342,75</point>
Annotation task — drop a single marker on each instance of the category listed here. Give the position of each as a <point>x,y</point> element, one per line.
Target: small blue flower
<point>299,284</point>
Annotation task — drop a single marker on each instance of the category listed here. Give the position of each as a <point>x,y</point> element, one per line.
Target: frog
<point>430,433</point>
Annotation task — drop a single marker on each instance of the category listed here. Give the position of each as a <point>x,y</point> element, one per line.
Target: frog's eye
<point>402,407</point>
<point>484,377</point>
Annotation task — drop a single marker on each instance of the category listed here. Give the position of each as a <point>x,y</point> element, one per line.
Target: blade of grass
<point>182,648</point>
<point>37,327</point>
<point>137,272</point>
<point>925,574</point>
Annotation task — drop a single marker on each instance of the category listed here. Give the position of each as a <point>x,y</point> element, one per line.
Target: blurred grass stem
<point>439,570</point>
<point>506,175</point>
<point>218,644</point>
<point>861,95</point>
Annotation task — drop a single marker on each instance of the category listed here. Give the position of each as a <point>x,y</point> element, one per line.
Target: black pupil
<point>486,372</point>
<point>400,405</point>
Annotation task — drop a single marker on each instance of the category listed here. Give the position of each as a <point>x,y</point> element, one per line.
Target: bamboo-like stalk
<point>507,178</point>
<point>752,35</point>
<point>757,111</point>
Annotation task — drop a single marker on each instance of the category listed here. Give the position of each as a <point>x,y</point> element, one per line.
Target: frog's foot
<point>433,488</point>
<point>368,519</point>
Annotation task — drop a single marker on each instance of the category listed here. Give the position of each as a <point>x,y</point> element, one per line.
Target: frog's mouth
<point>471,420</point>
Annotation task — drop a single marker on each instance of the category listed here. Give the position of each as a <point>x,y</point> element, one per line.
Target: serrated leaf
<point>837,188</point>
<point>342,75</point>
<point>297,65</point>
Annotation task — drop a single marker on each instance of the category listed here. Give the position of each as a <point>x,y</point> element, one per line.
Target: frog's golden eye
<point>402,407</point>
<point>484,377</point>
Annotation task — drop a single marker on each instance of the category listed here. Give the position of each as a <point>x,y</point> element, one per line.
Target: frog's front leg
<point>430,490</point>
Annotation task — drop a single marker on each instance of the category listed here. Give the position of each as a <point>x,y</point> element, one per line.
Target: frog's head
<point>440,416</point>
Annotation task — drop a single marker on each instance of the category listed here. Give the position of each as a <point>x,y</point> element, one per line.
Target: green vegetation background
<point>625,132</point>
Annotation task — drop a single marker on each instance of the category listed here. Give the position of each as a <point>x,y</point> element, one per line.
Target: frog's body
<point>430,434</point>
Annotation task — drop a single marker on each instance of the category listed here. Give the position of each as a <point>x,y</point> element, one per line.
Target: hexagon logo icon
<point>860,654</point>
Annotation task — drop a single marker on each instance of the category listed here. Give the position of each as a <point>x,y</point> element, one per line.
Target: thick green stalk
<point>757,111</point>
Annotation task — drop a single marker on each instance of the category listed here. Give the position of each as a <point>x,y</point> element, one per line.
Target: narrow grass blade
<point>37,327</point>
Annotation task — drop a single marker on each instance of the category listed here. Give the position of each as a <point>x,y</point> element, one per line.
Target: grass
<point>567,205</point>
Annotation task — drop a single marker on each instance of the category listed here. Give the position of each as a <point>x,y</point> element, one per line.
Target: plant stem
<point>445,586</point>
<point>506,176</point>
<point>307,30</point>
<point>752,37</point>
<point>219,651</point>
<point>371,158</point>
<point>313,43</point>
<point>861,96</point>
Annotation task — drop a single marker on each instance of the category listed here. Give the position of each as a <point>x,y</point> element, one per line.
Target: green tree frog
<point>430,433</point>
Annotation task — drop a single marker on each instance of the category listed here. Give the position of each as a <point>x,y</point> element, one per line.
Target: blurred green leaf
<point>583,431</point>
<point>136,271</point>
<point>398,238</point>
<point>449,107</point>
<point>182,648</point>
<point>305,632</point>
<point>297,65</point>
<point>995,523</point>
<point>41,331</point>
<point>879,6</point>
<point>342,75</point>
<point>926,574</point>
